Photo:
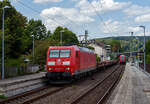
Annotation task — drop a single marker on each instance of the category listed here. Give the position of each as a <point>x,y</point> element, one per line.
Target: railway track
<point>30,96</point>
<point>103,85</point>
<point>43,92</point>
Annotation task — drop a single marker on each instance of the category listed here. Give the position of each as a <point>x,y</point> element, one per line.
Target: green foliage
<point>90,47</point>
<point>98,59</point>
<point>112,57</point>
<point>148,52</point>
<point>18,38</point>
<point>36,28</point>
<point>3,97</point>
<point>14,30</point>
<point>68,36</point>
<point>74,86</point>
<point>148,59</point>
<point>41,48</point>
<point>115,45</point>
<point>14,62</point>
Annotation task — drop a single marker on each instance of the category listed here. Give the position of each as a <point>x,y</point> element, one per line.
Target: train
<point>122,59</point>
<point>69,63</point>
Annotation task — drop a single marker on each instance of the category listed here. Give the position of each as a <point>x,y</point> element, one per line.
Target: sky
<point>102,18</point>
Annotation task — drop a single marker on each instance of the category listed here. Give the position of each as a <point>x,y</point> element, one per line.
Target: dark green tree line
<point>19,32</point>
<point>148,52</point>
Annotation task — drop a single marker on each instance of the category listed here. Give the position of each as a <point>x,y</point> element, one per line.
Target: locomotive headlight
<point>66,63</point>
<point>67,69</point>
<point>50,69</point>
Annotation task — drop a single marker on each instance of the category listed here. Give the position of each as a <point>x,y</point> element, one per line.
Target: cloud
<point>65,16</point>
<point>134,29</point>
<point>143,18</point>
<point>147,33</point>
<point>74,0</point>
<point>111,26</point>
<point>136,10</point>
<point>118,28</point>
<point>100,6</point>
<point>13,0</point>
<point>46,1</point>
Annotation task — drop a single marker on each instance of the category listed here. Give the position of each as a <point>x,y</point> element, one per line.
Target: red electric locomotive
<point>122,59</point>
<point>69,62</point>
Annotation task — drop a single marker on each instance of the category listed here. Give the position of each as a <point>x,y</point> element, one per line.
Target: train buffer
<point>133,88</point>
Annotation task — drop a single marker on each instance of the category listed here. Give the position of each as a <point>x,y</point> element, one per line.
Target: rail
<point>24,99</point>
<point>95,86</point>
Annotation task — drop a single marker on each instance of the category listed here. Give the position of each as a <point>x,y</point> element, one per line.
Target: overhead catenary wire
<point>36,11</point>
<point>99,16</point>
<point>71,24</point>
<point>60,23</point>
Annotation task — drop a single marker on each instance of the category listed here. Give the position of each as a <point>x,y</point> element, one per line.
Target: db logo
<point>58,62</point>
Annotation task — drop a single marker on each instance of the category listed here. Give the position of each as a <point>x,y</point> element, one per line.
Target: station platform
<point>133,88</point>
<point>17,85</point>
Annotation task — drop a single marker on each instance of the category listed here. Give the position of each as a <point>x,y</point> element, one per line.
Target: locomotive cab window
<point>54,54</point>
<point>122,57</point>
<point>64,53</point>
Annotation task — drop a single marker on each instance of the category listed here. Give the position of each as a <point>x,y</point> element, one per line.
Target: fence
<point>17,71</point>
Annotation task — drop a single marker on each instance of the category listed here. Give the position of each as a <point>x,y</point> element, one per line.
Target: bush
<point>90,47</point>
<point>98,59</point>
<point>14,62</point>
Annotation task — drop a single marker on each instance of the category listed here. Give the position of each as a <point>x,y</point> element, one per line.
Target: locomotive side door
<point>78,59</point>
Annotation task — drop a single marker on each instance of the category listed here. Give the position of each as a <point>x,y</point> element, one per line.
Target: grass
<point>74,86</point>
<point>3,97</point>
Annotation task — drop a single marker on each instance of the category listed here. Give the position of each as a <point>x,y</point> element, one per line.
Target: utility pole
<point>3,71</point>
<point>3,57</point>
<point>131,46</point>
<point>85,38</point>
<point>86,35</point>
<point>144,48</point>
<point>61,36</point>
<point>33,49</point>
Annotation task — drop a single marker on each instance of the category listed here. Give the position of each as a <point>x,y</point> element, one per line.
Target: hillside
<point>127,43</point>
<point>122,38</point>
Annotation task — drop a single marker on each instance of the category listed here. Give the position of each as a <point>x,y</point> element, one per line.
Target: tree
<point>41,48</point>
<point>67,36</point>
<point>36,28</point>
<point>116,46</point>
<point>14,30</point>
<point>148,52</point>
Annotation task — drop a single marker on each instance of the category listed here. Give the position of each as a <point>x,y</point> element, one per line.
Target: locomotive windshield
<point>122,58</point>
<point>54,54</point>
<point>63,53</point>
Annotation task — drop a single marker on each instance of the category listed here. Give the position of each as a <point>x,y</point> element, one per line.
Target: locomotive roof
<point>62,46</point>
<point>85,49</point>
<point>76,47</point>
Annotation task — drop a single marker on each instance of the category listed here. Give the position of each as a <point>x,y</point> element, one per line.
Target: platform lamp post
<point>33,49</point>
<point>131,46</point>
<point>137,49</point>
<point>144,46</point>
<point>61,36</point>
<point>3,70</point>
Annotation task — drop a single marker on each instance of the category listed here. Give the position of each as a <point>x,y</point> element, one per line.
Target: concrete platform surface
<point>133,88</point>
<point>17,85</point>
<point>24,78</point>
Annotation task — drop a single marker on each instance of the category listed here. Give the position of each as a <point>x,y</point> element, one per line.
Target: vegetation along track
<point>30,96</point>
<point>99,91</point>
